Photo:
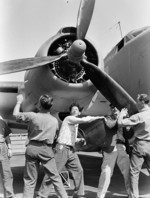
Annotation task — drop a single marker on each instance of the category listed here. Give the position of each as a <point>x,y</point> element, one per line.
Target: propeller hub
<point>76,51</point>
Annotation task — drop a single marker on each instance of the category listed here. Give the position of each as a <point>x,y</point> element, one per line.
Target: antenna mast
<point>120,29</point>
<point>118,24</point>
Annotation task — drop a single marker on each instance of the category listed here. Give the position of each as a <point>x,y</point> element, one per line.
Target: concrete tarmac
<point>91,163</point>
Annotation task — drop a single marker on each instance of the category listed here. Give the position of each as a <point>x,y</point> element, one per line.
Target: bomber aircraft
<point>70,69</point>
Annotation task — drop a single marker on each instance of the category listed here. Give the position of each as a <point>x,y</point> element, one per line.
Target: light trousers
<point>41,153</point>
<point>119,156</point>
<point>140,153</point>
<point>5,171</point>
<point>66,157</point>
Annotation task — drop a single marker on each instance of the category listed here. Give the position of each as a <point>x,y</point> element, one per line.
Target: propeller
<point>84,17</point>
<point>110,89</point>
<point>27,63</point>
<point>76,51</point>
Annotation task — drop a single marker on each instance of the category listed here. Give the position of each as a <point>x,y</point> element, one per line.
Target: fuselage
<point>128,62</point>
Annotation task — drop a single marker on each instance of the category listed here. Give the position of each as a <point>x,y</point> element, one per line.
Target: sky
<point>26,24</point>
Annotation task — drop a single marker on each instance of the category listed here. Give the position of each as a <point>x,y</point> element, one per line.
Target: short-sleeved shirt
<point>142,129</point>
<point>41,126</point>
<point>69,129</point>
<point>4,130</point>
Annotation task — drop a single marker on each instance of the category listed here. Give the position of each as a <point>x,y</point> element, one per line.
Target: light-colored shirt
<point>69,129</point>
<point>41,126</point>
<point>141,124</point>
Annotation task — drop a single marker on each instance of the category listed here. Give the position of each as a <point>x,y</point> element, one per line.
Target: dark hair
<point>75,105</point>
<point>46,101</point>
<point>143,97</point>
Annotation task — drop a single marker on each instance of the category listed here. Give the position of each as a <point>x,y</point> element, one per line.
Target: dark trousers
<point>5,171</point>
<point>41,153</point>
<point>140,153</point>
<point>66,157</point>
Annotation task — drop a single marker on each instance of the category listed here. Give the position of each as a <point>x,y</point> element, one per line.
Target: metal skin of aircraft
<point>70,69</point>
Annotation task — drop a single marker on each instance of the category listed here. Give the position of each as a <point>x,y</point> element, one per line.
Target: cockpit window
<point>123,42</point>
<point>135,33</point>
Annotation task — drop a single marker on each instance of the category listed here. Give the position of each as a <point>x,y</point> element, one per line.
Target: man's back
<point>42,126</point>
<point>142,130</point>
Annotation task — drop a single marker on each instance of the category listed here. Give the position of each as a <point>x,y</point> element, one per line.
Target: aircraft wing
<point>8,92</point>
<point>98,105</point>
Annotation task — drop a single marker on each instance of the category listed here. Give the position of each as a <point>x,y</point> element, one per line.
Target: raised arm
<point>131,121</point>
<point>76,120</point>
<point>18,104</point>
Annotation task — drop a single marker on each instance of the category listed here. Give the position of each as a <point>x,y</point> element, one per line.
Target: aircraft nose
<point>76,51</point>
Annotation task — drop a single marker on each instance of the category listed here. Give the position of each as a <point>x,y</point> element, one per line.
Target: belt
<point>120,141</point>
<point>39,142</point>
<point>142,140</point>
<point>65,145</point>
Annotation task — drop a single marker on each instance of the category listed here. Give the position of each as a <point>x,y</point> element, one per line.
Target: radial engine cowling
<point>65,80</point>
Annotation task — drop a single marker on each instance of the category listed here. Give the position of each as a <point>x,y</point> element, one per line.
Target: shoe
<point>79,196</point>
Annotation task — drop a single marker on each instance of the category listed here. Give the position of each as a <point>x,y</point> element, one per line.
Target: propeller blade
<point>26,64</point>
<point>110,89</point>
<point>84,17</point>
